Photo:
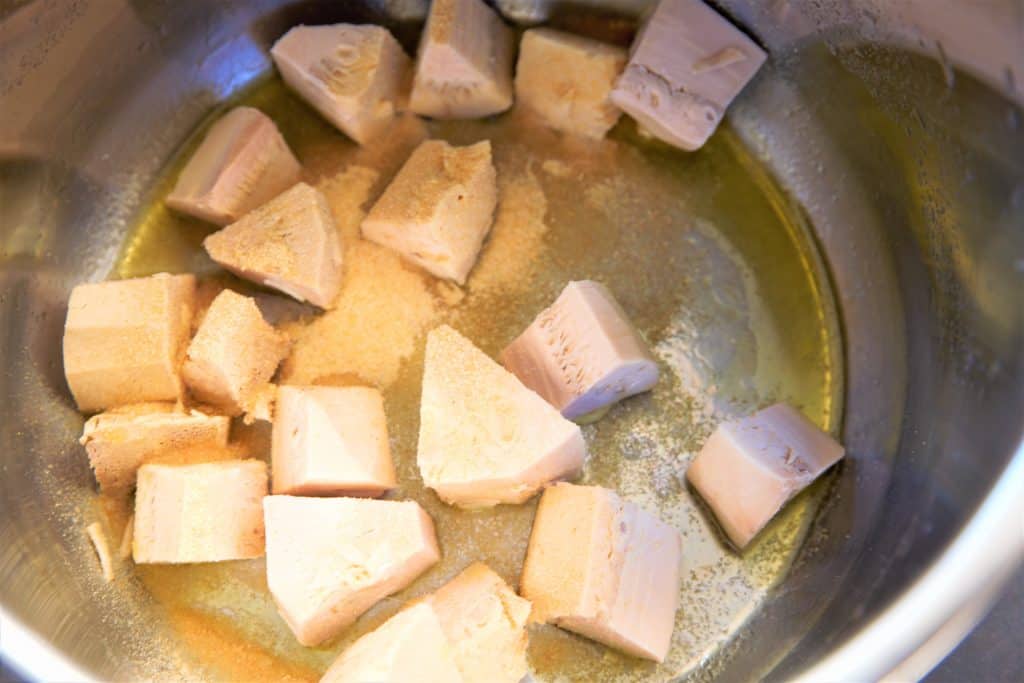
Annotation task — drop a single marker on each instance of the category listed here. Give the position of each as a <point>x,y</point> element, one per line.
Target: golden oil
<point>714,264</point>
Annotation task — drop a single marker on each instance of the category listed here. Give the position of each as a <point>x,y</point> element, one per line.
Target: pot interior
<point>825,248</point>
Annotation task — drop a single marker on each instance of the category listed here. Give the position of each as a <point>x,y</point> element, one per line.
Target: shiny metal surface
<point>909,167</point>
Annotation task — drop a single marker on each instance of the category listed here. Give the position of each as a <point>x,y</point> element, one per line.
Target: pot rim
<point>931,617</point>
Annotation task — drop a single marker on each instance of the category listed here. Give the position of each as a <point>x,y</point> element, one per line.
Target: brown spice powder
<point>517,238</point>
<point>383,309</point>
<point>226,656</point>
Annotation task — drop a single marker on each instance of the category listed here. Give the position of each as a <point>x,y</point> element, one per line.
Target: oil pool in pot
<point>710,259</point>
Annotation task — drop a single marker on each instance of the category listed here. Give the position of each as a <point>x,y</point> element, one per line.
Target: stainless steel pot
<point>895,125</point>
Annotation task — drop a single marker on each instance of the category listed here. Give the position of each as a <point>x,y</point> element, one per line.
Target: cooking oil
<point>711,260</point>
